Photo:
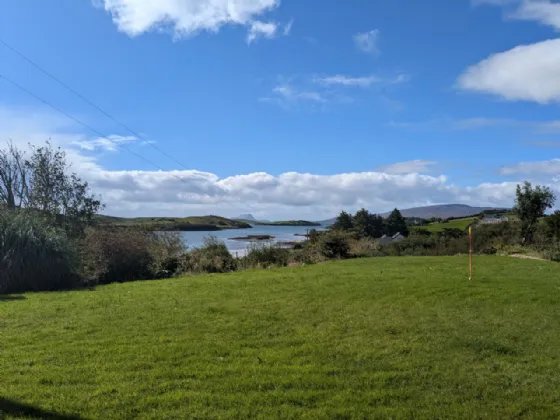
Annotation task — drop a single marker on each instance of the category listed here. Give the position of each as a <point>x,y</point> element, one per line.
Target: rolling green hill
<point>371,338</point>
<point>202,223</point>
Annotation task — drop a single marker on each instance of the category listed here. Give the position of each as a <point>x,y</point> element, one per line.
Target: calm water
<point>280,233</point>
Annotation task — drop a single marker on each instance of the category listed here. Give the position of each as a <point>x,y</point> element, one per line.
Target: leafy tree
<point>530,205</point>
<point>553,225</point>
<point>13,178</point>
<point>42,183</point>
<point>367,224</point>
<point>396,223</point>
<point>344,221</point>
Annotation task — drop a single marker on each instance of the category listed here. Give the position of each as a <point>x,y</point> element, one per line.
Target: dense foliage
<point>35,255</point>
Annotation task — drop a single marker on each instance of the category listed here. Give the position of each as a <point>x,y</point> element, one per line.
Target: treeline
<point>369,225</point>
<point>49,239</point>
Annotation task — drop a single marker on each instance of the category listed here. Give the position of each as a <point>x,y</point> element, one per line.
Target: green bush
<point>364,248</point>
<point>263,256</point>
<point>128,254</point>
<point>116,255</point>
<point>334,245</point>
<point>35,256</point>
<point>166,251</point>
<point>213,257</point>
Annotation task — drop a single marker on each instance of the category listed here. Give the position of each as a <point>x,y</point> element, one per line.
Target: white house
<point>494,218</point>
<point>386,240</point>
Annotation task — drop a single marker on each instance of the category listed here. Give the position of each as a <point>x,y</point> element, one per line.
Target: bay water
<point>239,248</point>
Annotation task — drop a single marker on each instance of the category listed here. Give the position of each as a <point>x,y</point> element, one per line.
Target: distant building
<point>386,240</point>
<point>494,218</point>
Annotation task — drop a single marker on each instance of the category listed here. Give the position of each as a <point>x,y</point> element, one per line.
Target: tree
<point>530,205</point>
<point>63,197</point>
<point>43,183</point>
<point>553,225</point>
<point>396,223</point>
<point>367,224</point>
<point>13,178</point>
<point>344,221</point>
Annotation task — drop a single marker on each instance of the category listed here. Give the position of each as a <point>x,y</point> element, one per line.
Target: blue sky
<point>285,108</point>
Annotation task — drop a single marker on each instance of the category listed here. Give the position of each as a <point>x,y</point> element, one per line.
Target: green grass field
<point>452,224</point>
<point>372,338</point>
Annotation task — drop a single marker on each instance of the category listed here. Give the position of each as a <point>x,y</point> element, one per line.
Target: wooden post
<point>470,254</point>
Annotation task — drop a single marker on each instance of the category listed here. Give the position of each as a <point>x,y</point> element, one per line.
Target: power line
<point>23,89</point>
<point>135,134</point>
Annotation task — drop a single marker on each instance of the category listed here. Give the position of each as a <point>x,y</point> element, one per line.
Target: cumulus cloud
<point>367,41</point>
<point>545,167</point>
<point>187,17</point>
<point>276,196</point>
<point>412,166</point>
<point>527,72</point>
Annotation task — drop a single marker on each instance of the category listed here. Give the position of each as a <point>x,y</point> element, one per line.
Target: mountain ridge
<point>443,211</point>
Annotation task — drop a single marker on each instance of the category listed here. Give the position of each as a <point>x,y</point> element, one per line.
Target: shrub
<point>364,248</point>
<point>307,255</point>
<point>263,256</point>
<point>166,251</point>
<point>35,256</point>
<point>334,244</point>
<point>213,257</point>
<point>116,255</point>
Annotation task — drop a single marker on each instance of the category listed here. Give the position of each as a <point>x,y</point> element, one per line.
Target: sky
<point>287,108</point>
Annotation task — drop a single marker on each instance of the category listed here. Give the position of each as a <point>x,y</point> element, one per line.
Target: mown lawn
<point>452,224</point>
<point>377,338</point>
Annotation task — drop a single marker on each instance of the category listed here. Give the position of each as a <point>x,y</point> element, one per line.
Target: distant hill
<point>303,223</point>
<point>196,223</point>
<point>249,218</point>
<point>443,211</point>
<point>327,222</point>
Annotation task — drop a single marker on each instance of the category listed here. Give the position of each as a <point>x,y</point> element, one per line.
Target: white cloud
<point>288,96</point>
<point>368,41</point>
<point>287,195</point>
<point>110,144</point>
<point>261,29</point>
<point>545,167</point>
<point>187,17</point>
<point>362,81</point>
<point>412,166</point>
<point>542,11</point>
<point>340,79</point>
<point>527,72</point>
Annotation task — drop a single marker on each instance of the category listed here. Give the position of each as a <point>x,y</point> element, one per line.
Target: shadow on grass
<point>11,297</point>
<point>13,408</point>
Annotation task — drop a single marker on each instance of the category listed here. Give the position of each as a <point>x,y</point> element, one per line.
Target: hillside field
<point>452,224</point>
<point>370,338</point>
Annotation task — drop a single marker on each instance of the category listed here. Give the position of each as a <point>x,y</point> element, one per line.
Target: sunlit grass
<point>385,337</point>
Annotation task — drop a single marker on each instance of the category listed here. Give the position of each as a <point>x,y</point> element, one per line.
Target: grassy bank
<point>385,337</point>
<point>202,223</point>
